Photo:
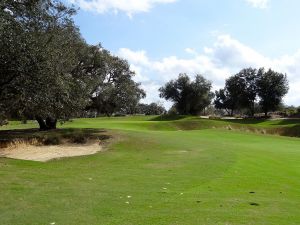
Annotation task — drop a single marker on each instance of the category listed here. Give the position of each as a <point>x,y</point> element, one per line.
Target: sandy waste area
<point>45,153</point>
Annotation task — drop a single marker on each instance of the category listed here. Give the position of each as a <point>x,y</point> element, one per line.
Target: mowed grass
<point>164,123</point>
<point>159,173</point>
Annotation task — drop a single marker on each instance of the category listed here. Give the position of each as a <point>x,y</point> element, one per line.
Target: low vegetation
<point>54,137</point>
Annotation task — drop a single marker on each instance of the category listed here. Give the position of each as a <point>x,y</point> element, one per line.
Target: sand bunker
<point>46,153</point>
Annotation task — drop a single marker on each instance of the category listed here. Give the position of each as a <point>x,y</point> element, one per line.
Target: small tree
<point>272,87</point>
<point>189,97</point>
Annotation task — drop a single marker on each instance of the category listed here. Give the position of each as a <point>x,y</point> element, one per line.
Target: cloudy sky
<point>216,38</point>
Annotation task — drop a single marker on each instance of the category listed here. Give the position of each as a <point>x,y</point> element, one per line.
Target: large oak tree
<point>271,88</point>
<point>240,92</point>
<point>48,72</point>
<point>115,90</point>
<point>189,97</point>
<point>249,86</point>
<point>39,49</point>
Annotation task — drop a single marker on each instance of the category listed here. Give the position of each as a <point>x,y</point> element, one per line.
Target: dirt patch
<point>45,153</point>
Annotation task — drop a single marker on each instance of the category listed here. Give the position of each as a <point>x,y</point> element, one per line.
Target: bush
<point>52,140</point>
<point>79,138</point>
<point>3,122</point>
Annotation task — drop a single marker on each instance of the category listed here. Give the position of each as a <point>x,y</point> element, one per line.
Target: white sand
<point>46,153</point>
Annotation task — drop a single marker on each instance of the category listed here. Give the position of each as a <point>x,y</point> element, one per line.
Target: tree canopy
<point>240,92</point>
<point>151,109</point>
<point>189,97</point>
<point>48,71</point>
<point>249,86</point>
<point>115,90</point>
<point>271,88</point>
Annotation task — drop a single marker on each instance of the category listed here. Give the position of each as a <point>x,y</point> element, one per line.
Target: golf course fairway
<point>158,173</point>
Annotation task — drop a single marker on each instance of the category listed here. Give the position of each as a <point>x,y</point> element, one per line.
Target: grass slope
<point>290,127</point>
<point>207,176</point>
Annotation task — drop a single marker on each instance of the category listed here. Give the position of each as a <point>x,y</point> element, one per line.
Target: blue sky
<point>217,38</point>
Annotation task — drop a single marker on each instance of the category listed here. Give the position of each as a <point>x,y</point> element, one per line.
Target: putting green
<point>157,173</point>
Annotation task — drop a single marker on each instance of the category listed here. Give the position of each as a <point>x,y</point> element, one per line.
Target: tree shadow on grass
<point>295,122</point>
<point>245,121</point>
<point>167,118</point>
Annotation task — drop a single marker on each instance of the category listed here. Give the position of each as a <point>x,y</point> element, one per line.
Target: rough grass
<point>160,173</point>
<point>53,137</point>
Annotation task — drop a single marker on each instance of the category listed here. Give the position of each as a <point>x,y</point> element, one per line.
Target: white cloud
<point>190,51</point>
<point>136,57</point>
<point>128,6</point>
<point>225,57</point>
<point>228,51</point>
<point>261,4</point>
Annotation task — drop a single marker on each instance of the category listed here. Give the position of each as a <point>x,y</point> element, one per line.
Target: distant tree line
<point>249,91</point>
<point>150,109</point>
<point>291,111</point>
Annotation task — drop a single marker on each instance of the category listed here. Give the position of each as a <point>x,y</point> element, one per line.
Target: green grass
<point>164,123</point>
<point>177,172</point>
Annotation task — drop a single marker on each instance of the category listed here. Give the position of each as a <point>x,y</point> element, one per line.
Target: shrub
<point>52,140</point>
<point>79,138</point>
<point>3,122</point>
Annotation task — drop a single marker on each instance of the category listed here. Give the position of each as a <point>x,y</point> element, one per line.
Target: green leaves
<point>249,86</point>
<point>272,87</point>
<point>115,90</point>
<point>39,48</point>
<point>189,97</point>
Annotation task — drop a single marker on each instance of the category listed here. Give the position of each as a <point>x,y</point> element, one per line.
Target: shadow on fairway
<point>289,122</point>
<point>167,118</point>
<point>246,121</point>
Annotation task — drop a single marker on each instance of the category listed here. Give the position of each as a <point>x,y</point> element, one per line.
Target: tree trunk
<point>48,124</point>
<point>252,109</point>
<point>252,113</point>
<point>41,122</point>
<point>51,123</point>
